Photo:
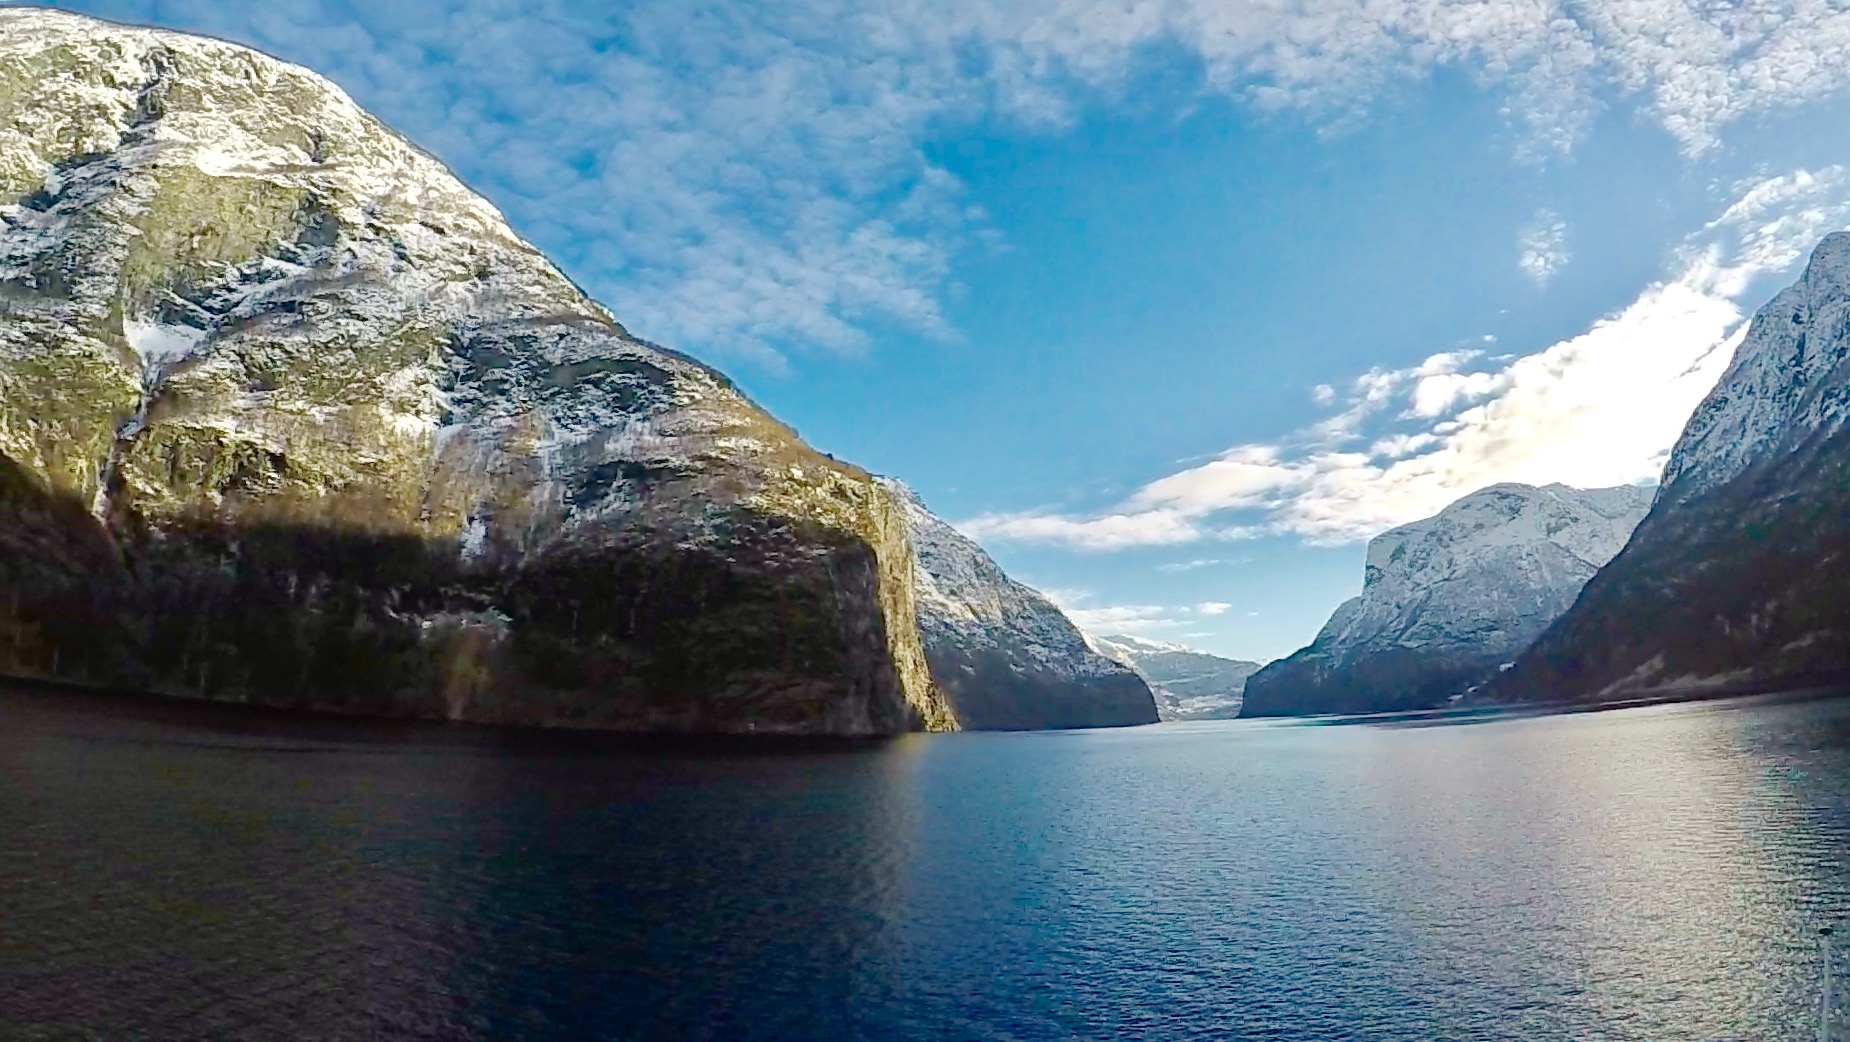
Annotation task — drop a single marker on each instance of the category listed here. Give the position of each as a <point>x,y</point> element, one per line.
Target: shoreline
<point>316,727</point>
<point>1776,694</point>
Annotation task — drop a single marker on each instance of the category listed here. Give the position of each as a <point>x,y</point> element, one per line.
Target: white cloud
<point>1141,619</point>
<point>1105,532</point>
<point>1775,221</point>
<point>1082,607</point>
<point>1123,618</point>
<point>1544,248</point>
<point>1438,393</point>
<point>1695,67</point>
<point>749,179</point>
<point>1175,567</point>
<point>1601,408</point>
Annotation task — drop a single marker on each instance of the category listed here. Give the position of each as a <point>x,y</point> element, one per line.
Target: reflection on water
<point>1637,864</point>
<point>177,871</point>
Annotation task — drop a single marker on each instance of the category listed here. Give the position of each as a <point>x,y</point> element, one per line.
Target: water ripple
<point>1648,874</point>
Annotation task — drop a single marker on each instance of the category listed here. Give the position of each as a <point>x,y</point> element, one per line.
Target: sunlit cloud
<point>1599,409</point>
<point>1104,532</point>
<point>1144,620</point>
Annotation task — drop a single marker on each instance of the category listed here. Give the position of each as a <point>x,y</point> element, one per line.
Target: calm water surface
<point>176,872</point>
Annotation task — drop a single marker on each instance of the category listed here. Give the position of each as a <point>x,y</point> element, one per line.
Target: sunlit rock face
<point>1005,656</point>
<point>1448,600</point>
<point>1189,684</point>
<point>288,415</point>
<point>1739,578</point>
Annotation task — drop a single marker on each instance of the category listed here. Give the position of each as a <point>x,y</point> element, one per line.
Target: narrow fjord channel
<point>174,871</point>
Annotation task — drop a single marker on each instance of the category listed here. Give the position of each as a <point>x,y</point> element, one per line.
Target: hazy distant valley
<point>1189,684</point>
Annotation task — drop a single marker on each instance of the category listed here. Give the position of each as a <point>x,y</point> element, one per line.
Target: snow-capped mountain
<point>1188,684</point>
<point>1445,601</point>
<point>1784,388</point>
<point>288,414</point>
<point>1738,578</point>
<point>1004,655</point>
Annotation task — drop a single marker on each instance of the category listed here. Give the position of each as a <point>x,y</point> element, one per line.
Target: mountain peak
<point>1448,598</point>
<point>1590,524</point>
<point>1781,390</point>
<point>1146,643</point>
<point>317,428</point>
<point>1736,579</point>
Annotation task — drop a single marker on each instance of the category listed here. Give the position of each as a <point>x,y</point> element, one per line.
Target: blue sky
<point>1172,304</point>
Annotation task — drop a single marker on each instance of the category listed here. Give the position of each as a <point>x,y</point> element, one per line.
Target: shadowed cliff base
<point>775,629</point>
<point>82,708</point>
<point>1389,680</point>
<point>988,692</point>
<point>1741,589</point>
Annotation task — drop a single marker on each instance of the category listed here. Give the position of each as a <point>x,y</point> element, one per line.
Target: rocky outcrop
<point>1006,657</point>
<point>1448,600</point>
<point>290,416</point>
<point>1740,577</point>
<point>1188,684</point>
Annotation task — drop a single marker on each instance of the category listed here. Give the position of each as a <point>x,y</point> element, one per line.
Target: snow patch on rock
<point>1490,571</point>
<point>1780,390</point>
<point>161,346</point>
<point>967,602</point>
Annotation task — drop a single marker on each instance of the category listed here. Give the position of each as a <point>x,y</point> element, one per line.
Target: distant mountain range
<point>1188,684</point>
<point>1447,600</point>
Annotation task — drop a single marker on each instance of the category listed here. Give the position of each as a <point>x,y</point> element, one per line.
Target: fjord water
<point>171,871</point>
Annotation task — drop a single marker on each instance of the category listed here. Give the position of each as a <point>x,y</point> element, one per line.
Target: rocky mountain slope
<point>1739,577</point>
<point>288,415</point>
<point>1005,656</point>
<point>1447,600</point>
<point>1188,684</point>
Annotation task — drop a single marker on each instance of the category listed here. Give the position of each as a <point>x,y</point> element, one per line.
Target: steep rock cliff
<point>1740,577</point>
<point>290,416</point>
<point>1006,657</point>
<point>1449,599</point>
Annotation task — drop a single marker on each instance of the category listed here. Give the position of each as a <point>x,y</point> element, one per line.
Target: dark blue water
<point>174,872</point>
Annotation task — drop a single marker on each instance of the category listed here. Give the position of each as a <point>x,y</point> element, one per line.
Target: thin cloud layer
<point>1544,248</point>
<point>750,180</point>
<point>1178,567</point>
<point>1599,409</point>
<point>1145,620</point>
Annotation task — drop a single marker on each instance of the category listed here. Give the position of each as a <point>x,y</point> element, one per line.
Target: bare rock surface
<point>1448,600</point>
<point>288,415</point>
<point>1006,657</point>
<point>1739,579</point>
